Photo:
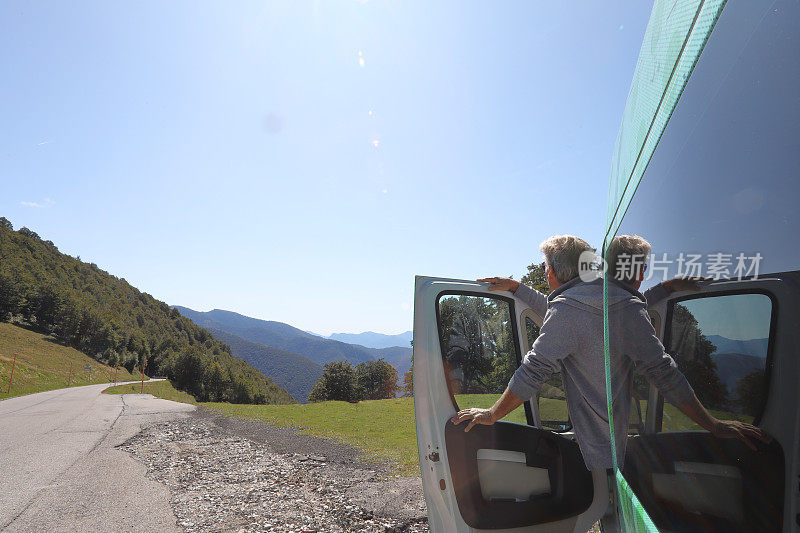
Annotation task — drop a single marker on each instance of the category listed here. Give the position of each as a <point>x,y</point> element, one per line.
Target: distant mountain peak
<point>371,339</point>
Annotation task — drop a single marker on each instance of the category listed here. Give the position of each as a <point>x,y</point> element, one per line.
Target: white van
<point>707,166</point>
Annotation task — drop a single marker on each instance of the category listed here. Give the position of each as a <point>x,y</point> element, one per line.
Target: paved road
<point>60,470</point>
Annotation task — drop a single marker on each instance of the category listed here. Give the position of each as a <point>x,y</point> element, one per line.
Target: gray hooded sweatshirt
<point>571,342</point>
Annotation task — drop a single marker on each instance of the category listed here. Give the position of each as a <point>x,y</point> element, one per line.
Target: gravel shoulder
<point>225,474</point>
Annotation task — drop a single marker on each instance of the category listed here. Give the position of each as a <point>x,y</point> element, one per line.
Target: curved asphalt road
<point>60,470</point>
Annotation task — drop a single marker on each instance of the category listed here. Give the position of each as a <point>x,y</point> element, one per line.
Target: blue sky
<point>302,161</point>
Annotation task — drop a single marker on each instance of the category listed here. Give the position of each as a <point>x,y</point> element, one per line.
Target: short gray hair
<point>562,253</point>
<point>626,257</point>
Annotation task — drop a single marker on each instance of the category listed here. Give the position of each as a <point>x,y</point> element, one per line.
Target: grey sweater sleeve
<point>655,294</point>
<point>555,342</point>
<point>647,352</point>
<point>533,298</point>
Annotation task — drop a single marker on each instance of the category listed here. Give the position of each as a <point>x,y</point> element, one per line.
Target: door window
<point>479,350</point>
<point>721,345</point>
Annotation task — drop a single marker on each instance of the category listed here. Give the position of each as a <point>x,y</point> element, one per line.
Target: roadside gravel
<point>225,474</point>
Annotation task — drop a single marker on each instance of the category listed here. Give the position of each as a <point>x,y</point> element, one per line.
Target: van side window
<point>479,352</point>
<point>552,396</point>
<point>721,345</point>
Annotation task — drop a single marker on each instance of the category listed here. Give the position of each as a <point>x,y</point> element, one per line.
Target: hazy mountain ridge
<point>290,339</point>
<point>737,358</point>
<point>371,339</point>
<point>754,347</point>
<point>731,367</point>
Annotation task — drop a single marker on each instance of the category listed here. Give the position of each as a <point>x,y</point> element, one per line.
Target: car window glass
<point>478,350</point>
<point>720,344</point>
<point>552,396</point>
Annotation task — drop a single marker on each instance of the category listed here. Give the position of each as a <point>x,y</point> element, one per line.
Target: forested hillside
<point>106,318</point>
<point>295,373</point>
<point>286,337</point>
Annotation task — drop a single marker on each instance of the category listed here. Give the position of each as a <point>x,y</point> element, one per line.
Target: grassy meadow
<point>382,429</point>
<point>43,364</point>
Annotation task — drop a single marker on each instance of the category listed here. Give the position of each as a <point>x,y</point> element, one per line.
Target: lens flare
<point>360,59</point>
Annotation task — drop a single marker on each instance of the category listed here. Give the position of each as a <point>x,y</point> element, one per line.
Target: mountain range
<point>293,358</point>
<point>738,358</point>
<point>370,339</point>
<point>754,347</point>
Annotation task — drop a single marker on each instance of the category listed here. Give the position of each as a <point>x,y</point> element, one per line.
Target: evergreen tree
<point>338,382</point>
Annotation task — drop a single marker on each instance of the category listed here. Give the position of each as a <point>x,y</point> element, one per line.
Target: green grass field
<point>384,429</point>
<point>159,389</point>
<point>43,364</point>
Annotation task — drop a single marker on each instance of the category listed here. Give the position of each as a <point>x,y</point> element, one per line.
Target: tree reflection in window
<point>477,343</point>
<point>720,344</point>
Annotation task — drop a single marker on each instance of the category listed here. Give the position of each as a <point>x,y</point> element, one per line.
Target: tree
<point>751,393</point>
<point>5,223</point>
<point>189,371</point>
<point>48,307</point>
<point>694,360</point>
<point>376,380</point>
<point>10,297</point>
<point>28,233</point>
<point>408,382</point>
<point>536,278</point>
<point>336,383</point>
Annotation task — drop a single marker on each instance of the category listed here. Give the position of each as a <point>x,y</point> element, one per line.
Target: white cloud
<point>46,203</point>
<point>43,143</point>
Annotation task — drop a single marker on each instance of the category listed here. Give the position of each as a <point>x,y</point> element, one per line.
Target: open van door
<point>508,476</point>
<point>737,343</point>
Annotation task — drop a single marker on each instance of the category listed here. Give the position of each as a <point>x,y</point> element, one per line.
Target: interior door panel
<point>692,481</point>
<point>547,463</point>
<point>505,475</point>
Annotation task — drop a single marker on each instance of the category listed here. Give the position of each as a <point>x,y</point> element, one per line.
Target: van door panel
<point>568,483</point>
<point>692,481</point>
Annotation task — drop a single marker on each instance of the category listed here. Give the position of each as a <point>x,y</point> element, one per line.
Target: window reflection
<point>720,344</point>
<point>478,350</point>
<point>724,175</point>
